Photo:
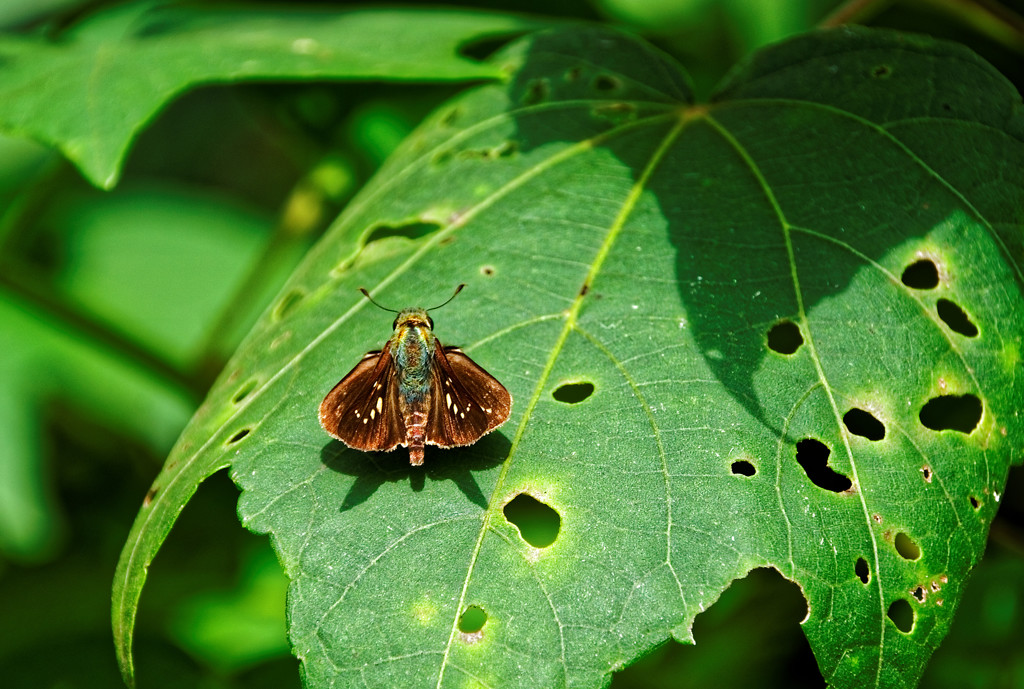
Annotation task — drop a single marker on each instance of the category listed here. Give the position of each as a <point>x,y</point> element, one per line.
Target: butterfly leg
<point>415,435</point>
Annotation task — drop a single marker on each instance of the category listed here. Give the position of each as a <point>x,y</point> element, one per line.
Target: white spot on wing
<point>380,404</point>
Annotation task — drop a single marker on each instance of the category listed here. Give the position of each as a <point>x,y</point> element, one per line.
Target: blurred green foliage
<point>118,308</point>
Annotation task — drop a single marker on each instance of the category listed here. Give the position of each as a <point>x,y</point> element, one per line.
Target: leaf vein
<point>786,230</point>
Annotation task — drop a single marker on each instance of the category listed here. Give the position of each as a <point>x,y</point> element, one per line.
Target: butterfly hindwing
<point>468,402</point>
<point>362,409</point>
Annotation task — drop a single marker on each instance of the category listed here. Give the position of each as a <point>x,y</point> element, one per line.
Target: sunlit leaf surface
<point>780,329</point>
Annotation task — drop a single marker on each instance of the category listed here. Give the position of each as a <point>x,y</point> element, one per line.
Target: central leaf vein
<point>570,324</point>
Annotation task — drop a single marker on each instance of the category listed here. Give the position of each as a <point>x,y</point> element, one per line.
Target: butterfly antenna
<point>455,294</point>
<point>367,295</point>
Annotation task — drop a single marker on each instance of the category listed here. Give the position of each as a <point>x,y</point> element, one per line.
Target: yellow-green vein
<point>816,360</point>
<point>570,323</point>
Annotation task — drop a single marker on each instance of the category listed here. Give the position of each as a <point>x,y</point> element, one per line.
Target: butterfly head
<point>413,318</point>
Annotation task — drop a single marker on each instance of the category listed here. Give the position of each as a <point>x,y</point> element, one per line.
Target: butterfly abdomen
<point>412,348</point>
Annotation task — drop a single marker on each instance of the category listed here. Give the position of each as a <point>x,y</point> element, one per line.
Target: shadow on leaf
<point>372,469</point>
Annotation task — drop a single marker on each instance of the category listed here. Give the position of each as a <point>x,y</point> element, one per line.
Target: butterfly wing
<point>468,402</point>
<point>362,409</point>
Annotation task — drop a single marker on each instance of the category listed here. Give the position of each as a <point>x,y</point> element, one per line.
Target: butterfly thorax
<point>412,346</point>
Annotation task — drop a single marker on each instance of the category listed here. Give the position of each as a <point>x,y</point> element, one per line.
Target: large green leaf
<point>90,93</point>
<point>686,302</point>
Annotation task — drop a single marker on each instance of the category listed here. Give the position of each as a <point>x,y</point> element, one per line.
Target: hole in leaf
<point>882,72</point>
<point>506,150</point>
<point>953,316</point>
<point>538,523</point>
<point>238,436</point>
<point>244,391</point>
<point>410,231</point>
<point>487,270</point>
<point>483,48</point>
<point>616,113</point>
<point>907,547</point>
<point>606,82</point>
<point>472,620</point>
<point>919,594</point>
<point>862,571</point>
<point>785,337</point>
<point>864,424</point>
<point>573,393</point>
<point>760,611</point>
<point>743,468</point>
<point>288,303</point>
<point>451,117</point>
<point>952,413</point>
<point>975,503</point>
<point>537,91</point>
<point>926,471</point>
<point>812,455</point>
<point>280,339</point>
<point>921,275</point>
<point>902,615</point>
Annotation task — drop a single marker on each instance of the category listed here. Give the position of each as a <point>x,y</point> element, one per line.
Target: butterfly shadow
<point>372,469</point>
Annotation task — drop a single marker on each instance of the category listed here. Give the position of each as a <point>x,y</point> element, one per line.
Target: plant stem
<point>853,11</point>
<point>287,233</point>
<point>991,19</point>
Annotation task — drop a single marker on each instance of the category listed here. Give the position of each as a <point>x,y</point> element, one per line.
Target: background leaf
<point>704,313</point>
<point>40,360</point>
<point>90,94</point>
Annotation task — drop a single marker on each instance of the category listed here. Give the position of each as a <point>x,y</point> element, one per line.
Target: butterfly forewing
<point>362,409</point>
<point>468,402</point>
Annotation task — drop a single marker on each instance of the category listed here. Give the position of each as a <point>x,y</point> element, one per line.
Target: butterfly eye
<point>395,324</point>
<point>430,322</point>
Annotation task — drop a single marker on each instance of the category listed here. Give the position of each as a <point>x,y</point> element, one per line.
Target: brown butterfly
<point>414,392</point>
